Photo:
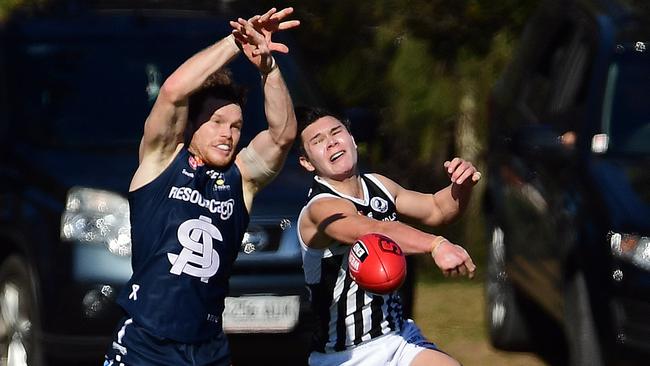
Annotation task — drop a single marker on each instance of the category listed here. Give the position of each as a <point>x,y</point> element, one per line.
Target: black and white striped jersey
<point>346,314</point>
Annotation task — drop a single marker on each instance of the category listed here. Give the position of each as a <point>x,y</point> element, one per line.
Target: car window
<point>568,72</point>
<point>626,111</point>
<point>92,82</point>
<point>555,87</point>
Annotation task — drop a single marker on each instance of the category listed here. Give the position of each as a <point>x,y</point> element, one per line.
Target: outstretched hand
<point>461,171</point>
<point>453,260</point>
<point>254,36</point>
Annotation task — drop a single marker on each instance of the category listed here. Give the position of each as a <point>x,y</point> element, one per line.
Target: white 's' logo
<point>379,204</point>
<point>197,258</point>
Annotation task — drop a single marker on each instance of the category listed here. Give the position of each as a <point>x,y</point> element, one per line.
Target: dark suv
<point>568,200</point>
<point>75,88</point>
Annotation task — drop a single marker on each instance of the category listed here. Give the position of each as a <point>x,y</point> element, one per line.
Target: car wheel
<point>18,346</point>
<point>580,329</point>
<point>507,327</point>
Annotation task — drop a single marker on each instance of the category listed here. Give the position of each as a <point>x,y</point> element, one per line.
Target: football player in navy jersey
<point>355,327</point>
<point>191,195</point>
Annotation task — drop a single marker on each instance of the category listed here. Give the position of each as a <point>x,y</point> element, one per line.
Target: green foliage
<point>412,60</point>
<point>421,105</point>
<point>8,6</point>
<point>427,67</point>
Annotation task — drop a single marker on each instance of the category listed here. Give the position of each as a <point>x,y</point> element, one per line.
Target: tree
<point>426,68</point>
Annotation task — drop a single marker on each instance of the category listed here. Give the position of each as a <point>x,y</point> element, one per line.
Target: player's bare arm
<point>441,207</point>
<point>335,219</point>
<point>266,153</point>
<point>165,125</point>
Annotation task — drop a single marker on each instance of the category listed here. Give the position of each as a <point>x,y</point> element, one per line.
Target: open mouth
<point>336,156</point>
<point>224,147</point>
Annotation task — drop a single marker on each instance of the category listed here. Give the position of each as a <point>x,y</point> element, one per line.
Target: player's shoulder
<point>381,178</point>
<point>388,183</point>
<point>152,165</point>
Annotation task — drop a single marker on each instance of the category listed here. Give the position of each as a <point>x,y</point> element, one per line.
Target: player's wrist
<point>236,47</point>
<point>269,67</point>
<point>437,242</point>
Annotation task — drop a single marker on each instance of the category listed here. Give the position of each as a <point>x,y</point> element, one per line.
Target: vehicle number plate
<point>267,314</point>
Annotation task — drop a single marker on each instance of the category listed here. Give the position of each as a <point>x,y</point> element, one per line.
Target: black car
<point>76,85</point>
<point>568,200</point>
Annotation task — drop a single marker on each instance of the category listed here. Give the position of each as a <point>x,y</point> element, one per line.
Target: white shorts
<point>394,349</point>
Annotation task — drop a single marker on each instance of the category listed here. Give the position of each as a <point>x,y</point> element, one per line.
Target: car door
<point>539,198</point>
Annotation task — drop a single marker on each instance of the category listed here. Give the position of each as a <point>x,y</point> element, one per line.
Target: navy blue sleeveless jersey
<point>186,228</point>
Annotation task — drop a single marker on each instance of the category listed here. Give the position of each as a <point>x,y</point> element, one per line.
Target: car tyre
<point>18,344</point>
<point>580,328</point>
<point>507,326</point>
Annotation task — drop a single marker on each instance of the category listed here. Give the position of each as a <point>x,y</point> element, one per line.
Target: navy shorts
<point>134,346</point>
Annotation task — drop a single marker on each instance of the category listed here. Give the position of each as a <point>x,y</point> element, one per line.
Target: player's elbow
<point>172,91</point>
<point>285,135</point>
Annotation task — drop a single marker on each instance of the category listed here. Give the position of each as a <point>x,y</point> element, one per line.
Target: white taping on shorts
<point>256,167</point>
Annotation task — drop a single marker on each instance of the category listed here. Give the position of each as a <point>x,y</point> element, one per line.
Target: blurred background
<point>416,78</point>
<point>423,69</point>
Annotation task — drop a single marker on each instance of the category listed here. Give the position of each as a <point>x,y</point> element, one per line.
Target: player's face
<point>330,149</point>
<point>215,141</point>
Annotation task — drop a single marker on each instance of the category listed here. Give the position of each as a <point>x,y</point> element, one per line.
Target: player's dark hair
<point>218,90</point>
<point>305,116</point>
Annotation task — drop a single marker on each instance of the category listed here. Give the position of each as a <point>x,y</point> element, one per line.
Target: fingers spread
<point>288,24</point>
<point>279,47</point>
<point>282,13</point>
<point>267,15</point>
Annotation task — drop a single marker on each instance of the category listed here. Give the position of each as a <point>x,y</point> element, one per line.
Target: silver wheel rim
<point>497,277</point>
<point>15,326</point>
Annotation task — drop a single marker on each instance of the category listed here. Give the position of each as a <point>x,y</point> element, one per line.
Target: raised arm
<point>443,206</point>
<point>165,125</point>
<point>337,219</point>
<point>264,156</point>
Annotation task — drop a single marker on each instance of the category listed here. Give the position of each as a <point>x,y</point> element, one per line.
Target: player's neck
<point>350,186</point>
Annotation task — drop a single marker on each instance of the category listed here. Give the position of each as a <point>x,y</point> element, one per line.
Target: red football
<point>377,264</point>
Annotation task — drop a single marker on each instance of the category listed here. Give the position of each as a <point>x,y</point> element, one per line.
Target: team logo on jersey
<point>193,163</point>
<point>220,183</point>
<point>379,204</point>
<point>197,258</point>
<point>213,174</point>
<point>188,194</point>
<point>189,174</point>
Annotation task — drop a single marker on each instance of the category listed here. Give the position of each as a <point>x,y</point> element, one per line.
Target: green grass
<point>451,313</point>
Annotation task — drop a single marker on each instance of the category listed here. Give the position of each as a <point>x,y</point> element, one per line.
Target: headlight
<point>255,239</point>
<point>96,216</point>
<point>266,235</point>
<point>632,248</point>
